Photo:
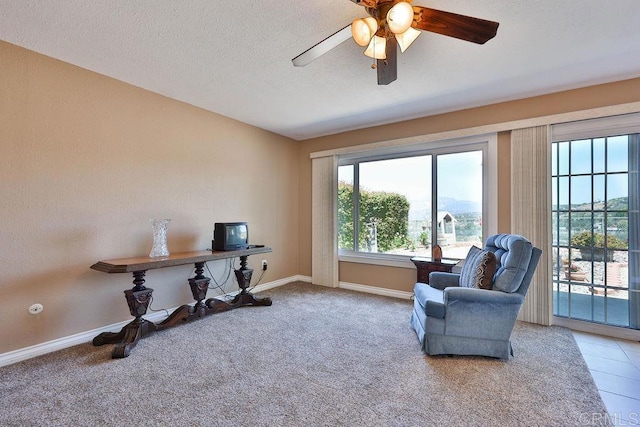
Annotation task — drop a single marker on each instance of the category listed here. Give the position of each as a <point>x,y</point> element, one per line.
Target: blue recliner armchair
<point>452,319</point>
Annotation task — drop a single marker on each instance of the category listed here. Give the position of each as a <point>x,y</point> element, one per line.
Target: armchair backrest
<point>516,261</point>
<point>526,280</point>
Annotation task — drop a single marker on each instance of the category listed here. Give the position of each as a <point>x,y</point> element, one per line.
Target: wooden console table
<point>425,266</point>
<point>139,296</point>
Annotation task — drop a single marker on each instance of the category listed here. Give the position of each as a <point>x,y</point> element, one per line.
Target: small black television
<point>230,236</point>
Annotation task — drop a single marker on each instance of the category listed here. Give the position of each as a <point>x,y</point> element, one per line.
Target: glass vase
<point>159,248</point>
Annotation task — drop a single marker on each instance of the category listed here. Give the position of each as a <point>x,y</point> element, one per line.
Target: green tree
<point>586,239</point>
<point>345,216</point>
<point>387,212</point>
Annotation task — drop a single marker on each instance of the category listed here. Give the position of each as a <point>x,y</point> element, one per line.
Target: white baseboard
<point>62,343</point>
<point>366,288</point>
<point>87,336</point>
<point>375,290</point>
<point>276,283</point>
<point>301,278</point>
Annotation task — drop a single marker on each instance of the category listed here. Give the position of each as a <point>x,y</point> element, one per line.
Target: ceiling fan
<point>393,23</point>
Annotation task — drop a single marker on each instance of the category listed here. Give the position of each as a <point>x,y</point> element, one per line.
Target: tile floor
<point>615,367</point>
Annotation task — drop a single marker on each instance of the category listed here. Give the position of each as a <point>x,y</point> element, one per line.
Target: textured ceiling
<point>234,58</point>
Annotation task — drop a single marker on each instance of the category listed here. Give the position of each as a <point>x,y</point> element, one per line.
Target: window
<point>595,201</point>
<point>400,204</point>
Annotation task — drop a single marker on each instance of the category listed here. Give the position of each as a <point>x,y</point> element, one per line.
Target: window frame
<point>487,143</point>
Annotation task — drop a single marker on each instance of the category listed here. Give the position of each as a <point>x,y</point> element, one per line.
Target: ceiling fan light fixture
<point>405,39</point>
<point>400,17</point>
<point>363,29</point>
<point>377,48</point>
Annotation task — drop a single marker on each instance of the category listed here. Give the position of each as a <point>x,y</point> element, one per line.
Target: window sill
<point>401,261</point>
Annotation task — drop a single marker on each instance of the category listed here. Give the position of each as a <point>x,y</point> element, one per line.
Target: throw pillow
<point>478,269</point>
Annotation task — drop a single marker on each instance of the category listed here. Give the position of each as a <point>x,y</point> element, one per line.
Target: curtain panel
<point>324,238</point>
<point>530,213</point>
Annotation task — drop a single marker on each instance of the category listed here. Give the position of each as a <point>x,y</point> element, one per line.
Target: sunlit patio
<point>596,308</point>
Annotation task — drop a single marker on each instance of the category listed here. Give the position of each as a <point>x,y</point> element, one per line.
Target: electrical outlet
<point>264,265</point>
<point>36,308</point>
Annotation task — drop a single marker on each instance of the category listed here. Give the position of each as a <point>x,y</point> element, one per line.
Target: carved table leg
<point>138,299</point>
<point>132,332</point>
<point>186,313</point>
<point>243,275</point>
<point>244,298</point>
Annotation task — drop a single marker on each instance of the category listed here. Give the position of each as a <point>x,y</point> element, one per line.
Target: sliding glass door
<point>596,236</point>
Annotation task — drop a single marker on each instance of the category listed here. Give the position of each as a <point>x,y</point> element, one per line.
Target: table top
<point>129,265</point>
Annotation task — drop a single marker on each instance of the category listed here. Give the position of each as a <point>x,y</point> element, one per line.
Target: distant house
<point>446,228</point>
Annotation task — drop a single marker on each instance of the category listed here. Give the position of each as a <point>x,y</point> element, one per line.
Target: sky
<point>580,153</point>
<point>459,176</point>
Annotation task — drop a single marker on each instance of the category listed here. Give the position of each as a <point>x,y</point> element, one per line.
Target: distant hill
<point>456,206</point>
<point>420,209</point>
<point>617,204</point>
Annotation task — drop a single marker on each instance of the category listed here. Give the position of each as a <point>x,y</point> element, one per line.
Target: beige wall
<point>403,279</point>
<point>86,161</point>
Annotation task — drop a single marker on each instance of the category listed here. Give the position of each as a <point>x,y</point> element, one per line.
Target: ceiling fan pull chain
<point>374,65</point>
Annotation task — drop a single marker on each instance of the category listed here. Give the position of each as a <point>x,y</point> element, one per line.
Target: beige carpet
<point>316,357</point>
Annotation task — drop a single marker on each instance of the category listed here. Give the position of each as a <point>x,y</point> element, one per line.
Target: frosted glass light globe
<point>405,39</point>
<point>363,30</point>
<point>377,48</point>
<point>400,17</point>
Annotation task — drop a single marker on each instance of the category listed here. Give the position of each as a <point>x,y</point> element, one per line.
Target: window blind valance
<point>624,124</point>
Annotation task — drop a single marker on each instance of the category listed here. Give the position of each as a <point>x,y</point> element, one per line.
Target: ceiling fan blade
<point>322,47</point>
<point>453,25</point>
<point>388,68</point>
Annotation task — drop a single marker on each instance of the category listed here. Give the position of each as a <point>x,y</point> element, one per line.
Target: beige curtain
<point>531,214</point>
<point>324,239</point>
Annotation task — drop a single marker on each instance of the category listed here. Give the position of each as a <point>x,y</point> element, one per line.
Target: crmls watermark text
<point>617,418</point>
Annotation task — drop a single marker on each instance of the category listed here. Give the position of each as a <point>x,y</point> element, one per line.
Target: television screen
<point>230,236</point>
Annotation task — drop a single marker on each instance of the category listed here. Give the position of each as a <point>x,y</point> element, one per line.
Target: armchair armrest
<point>481,296</point>
<point>441,280</point>
<point>467,311</point>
